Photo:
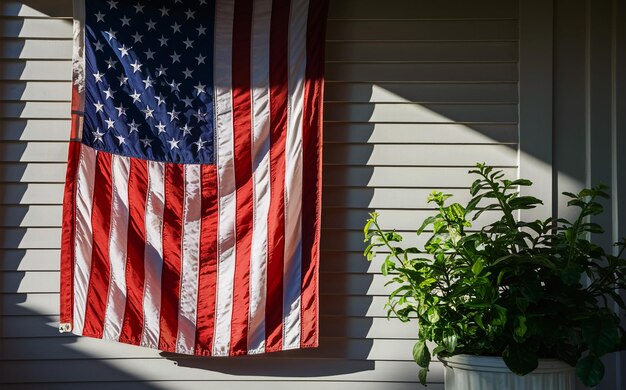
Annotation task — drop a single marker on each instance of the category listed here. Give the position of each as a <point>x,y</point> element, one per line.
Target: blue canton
<point>149,79</point>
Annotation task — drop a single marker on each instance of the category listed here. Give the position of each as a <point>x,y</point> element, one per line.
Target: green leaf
<point>590,370</point>
<point>433,315</point>
<point>601,334</point>
<point>501,275</point>
<point>421,354</point>
<point>427,222</point>
<point>521,182</point>
<point>366,228</point>
<point>393,237</point>
<point>422,375</point>
<point>388,265</point>
<point>478,266</point>
<point>471,205</point>
<point>520,358</point>
<point>500,316</point>
<point>455,212</point>
<point>519,331</point>
<point>449,342</point>
<point>524,203</point>
<point>476,186</point>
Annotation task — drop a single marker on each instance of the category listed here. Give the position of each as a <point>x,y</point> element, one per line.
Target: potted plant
<point>513,291</point>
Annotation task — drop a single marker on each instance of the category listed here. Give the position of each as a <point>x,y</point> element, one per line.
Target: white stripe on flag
<point>153,257</point>
<point>116,299</point>
<point>293,175</point>
<point>260,82</point>
<point>84,244</point>
<point>227,204</point>
<point>186,339</point>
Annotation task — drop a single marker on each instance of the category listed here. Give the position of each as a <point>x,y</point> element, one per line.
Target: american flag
<point>191,217</point>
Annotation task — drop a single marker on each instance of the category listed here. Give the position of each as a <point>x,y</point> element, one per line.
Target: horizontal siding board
<point>411,9</point>
<point>47,304</point>
<point>421,51</point>
<point>419,155</point>
<point>421,93</point>
<point>35,110</point>
<point>441,133</point>
<point>48,91</point>
<point>425,30</point>
<point>29,260</point>
<point>403,220</point>
<point>330,326</point>
<point>32,172</point>
<point>36,8</point>
<point>35,70</point>
<point>33,151</point>
<point>400,177</point>
<point>31,193</point>
<point>60,348</point>
<point>17,304</point>
<point>36,49</point>
<point>278,369</point>
<point>383,198</point>
<point>31,216</point>
<point>34,129</point>
<point>36,28</point>
<point>420,113</point>
<point>341,240</point>
<point>302,384</point>
<point>428,72</point>
<point>27,238</point>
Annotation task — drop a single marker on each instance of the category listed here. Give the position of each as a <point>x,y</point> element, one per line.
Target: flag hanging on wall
<point>191,217</point>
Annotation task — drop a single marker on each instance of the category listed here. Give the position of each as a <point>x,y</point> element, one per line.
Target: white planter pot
<point>469,372</point>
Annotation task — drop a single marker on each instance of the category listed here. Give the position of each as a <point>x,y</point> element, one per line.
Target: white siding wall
<point>417,92</point>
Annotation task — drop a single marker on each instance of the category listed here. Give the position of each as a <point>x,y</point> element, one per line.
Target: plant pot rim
<point>496,364</point>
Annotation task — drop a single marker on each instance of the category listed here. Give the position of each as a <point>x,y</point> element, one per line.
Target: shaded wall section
<point>590,119</point>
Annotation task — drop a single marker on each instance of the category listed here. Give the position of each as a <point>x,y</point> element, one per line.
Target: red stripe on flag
<point>172,238</point>
<point>135,269</point>
<point>100,265</point>
<point>67,235</point>
<point>207,274</point>
<point>242,105</point>
<point>279,35</point>
<point>312,163</point>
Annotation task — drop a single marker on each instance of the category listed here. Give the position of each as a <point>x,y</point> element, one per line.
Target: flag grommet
<point>65,327</point>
